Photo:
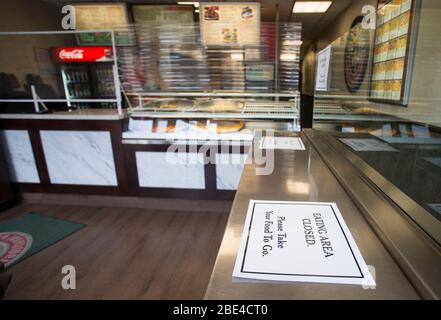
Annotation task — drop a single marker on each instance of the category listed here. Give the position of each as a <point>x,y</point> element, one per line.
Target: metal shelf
<point>288,110</point>
<point>215,94</point>
<point>351,117</point>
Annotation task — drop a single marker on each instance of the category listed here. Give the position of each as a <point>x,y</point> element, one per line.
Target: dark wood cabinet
<point>5,188</point>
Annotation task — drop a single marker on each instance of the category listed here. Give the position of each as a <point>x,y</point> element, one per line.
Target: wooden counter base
<point>88,157</point>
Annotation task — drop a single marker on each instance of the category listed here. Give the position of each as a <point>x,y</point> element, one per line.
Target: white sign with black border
<point>322,73</point>
<point>367,144</point>
<point>292,241</point>
<point>283,143</point>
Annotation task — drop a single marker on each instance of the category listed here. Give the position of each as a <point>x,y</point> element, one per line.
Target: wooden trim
<point>118,158</point>
<point>66,189</point>
<point>40,159</point>
<point>210,191</point>
<point>65,125</point>
<point>210,172</point>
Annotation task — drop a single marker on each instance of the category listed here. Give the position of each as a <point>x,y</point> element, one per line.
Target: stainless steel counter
<point>303,176</point>
<point>82,114</point>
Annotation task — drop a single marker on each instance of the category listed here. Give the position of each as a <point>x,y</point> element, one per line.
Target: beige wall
<point>425,93</point>
<point>343,22</point>
<point>21,55</point>
<point>335,35</point>
<point>25,15</point>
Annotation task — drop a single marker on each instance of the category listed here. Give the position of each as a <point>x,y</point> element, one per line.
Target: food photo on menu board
<point>211,13</point>
<point>229,35</point>
<point>247,13</point>
<point>230,23</point>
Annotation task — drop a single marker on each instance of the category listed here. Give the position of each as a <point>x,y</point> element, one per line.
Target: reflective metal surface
<point>411,176</point>
<point>303,176</point>
<point>389,212</point>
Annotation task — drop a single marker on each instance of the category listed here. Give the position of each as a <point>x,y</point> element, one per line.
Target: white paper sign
<point>348,129</point>
<point>299,242</point>
<point>368,144</point>
<point>286,143</point>
<point>181,125</point>
<point>212,127</point>
<point>140,125</point>
<point>322,74</point>
<point>161,126</point>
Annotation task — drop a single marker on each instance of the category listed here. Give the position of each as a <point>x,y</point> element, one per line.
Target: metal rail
<point>214,94</point>
<point>251,110</point>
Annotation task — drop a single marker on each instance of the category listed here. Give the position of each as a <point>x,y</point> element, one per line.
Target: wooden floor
<point>122,254</point>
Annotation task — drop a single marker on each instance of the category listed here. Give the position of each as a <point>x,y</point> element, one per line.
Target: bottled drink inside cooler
<point>77,84</point>
<point>88,81</point>
<point>104,80</point>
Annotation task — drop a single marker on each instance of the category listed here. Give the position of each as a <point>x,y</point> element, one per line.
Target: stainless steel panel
<point>303,176</point>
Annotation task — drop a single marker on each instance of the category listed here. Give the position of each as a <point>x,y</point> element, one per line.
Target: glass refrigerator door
<point>76,84</point>
<point>104,84</point>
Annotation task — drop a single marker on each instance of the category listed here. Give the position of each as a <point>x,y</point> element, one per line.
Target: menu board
<point>163,14</point>
<point>230,24</point>
<point>107,16</point>
<point>391,51</point>
<point>157,16</point>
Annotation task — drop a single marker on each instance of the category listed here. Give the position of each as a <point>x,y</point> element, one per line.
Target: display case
<point>218,116</point>
<point>198,100</point>
<point>176,84</point>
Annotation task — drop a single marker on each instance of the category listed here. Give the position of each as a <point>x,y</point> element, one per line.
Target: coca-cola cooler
<point>87,73</point>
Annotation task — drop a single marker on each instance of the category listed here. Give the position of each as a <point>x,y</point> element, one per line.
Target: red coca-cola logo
<point>74,54</point>
<point>83,54</point>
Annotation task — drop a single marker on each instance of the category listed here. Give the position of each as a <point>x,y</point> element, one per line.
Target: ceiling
<point>312,23</point>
